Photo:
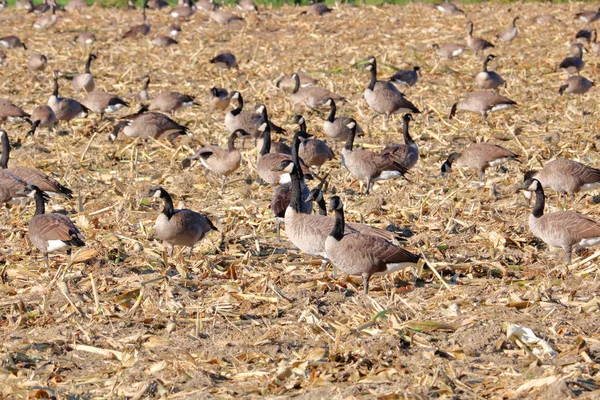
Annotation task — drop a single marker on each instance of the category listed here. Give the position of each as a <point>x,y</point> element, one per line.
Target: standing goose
<point>179,227</point>
<point>313,97</point>
<point>479,156</point>
<point>219,99</point>
<point>588,16</point>
<point>368,166</point>
<point>34,176</point>
<point>313,152</point>
<point>316,195</point>
<point>51,232</point>
<point>361,254</point>
<point>139,30</point>
<point>101,102</point>
<point>572,65</point>
<point>584,36</point>
<point>169,102</point>
<point>12,42</point>
<point>476,44</point>
<point>482,102</point>
<point>85,81</point>
<point>142,95</point>
<point>42,116</point>
<point>337,128</point>
<point>488,79</point>
<point>287,82</point>
<point>145,125</point>
<point>406,154</point>
<point>225,60</point>
<point>246,120</point>
<point>575,85</point>
<point>509,34</point>
<point>448,50</point>
<point>407,77</point>
<point>10,112</point>
<point>563,229</point>
<point>37,62</point>
<point>221,161</point>
<point>448,8</point>
<point>564,176</point>
<point>65,109</point>
<point>383,97</point>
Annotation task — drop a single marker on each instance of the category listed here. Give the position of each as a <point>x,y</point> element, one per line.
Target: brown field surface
<point>247,315</point>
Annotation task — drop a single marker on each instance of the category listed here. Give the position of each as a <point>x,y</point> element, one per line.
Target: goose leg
<point>170,248</point>
<point>278,230</point>
<point>223,184</point>
<point>366,278</point>
<point>47,260</point>
<point>69,256</point>
<point>190,251</point>
<point>368,186</point>
<point>7,211</point>
<point>482,175</point>
<point>569,251</point>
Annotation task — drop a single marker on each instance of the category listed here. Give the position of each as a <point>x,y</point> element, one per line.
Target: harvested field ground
<point>247,315</point>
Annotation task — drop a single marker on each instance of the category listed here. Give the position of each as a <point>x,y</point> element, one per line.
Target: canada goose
<point>288,82</point>
<point>206,5</point>
<point>85,38</point>
<point>65,109</point>
<point>182,227</point>
<point>448,8</point>
<point>12,113</point>
<point>101,102</point>
<point>12,42</point>
<point>448,50</point>
<point>130,6</point>
<point>142,95</point>
<point>51,232</point>
<point>174,30</point>
<point>37,62</point>
<point>407,77</point>
<point>572,65</point>
<point>545,19</point>
<point>221,161</point>
<point>156,4</point>
<point>316,9</point>
<point>169,102</point>
<point>575,85</point>
<point>488,79</point>
<point>164,41</point>
<point>85,81</point>
<point>479,156</point>
<point>145,125</point>
<point>561,228</point>
<point>239,119</point>
<point>316,195</point>
<point>42,116</point>
<point>476,44</point>
<point>46,21</point>
<point>383,97</point>
<point>276,147</point>
<point>225,60</point>
<point>576,50</point>
<point>313,97</point>
<point>139,30</point>
<point>369,166</point>
<point>584,35</point>
<point>482,102</point>
<point>247,5</point>
<point>46,183</point>
<point>267,162</point>
<point>564,176</point>
<point>588,16</point>
<point>406,154</point>
<point>219,99</point>
<point>11,188</point>
<point>337,128</point>
<point>313,152</point>
<point>2,56</point>
<point>42,7</point>
<point>183,11</point>
<point>224,17</point>
<point>73,5</point>
<point>361,254</point>
<point>24,5</point>
<point>509,34</point>
<point>594,44</point>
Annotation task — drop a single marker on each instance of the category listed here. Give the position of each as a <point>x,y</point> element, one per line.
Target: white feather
<point>457,52</point>
<point>590,186</point>
<point>56,245</point>
<point>499,161</point>
<point>589,242</point>
<point>389,268</point>
<point>501,107</point>
<point>388,175</point>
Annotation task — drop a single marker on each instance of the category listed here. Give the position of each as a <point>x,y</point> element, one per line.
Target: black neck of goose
<point>40,203</point>
<point>266,147</point>
<point>332,112</point>
<point>88,63</point>
<point>407,138</point>
<point>240,105</point>
<point>350,141</point>
<point>373,76</point>
<point>146,84</point>
<point>296,84</point>
<point>338,227</point>
<point>296,196</point>
<point>168,210</point>
<point>515,22</point>
<point>296,152</point>
<point>55,88</point>
<point>5,151</point>
<point>485,63</point>
<point>322,207</point>
<point>302,125</point>
<point>231,141</point>
<point>538,207</point>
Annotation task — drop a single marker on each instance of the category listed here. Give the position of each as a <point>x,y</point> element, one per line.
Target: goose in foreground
<point>407,77</point>
<point>479,156</point>
<point>368,166</point>
<point>287,82</point>
<point>169,102</point>
<point>383,97</point>
<point>313,97</point>
<point>448,8</point>
<point>509,34</point>
<point>182,227</point>
<point>448,50</point>
<point>10,112</point>
<point>489,79</point>
<point>42,116</point>
<point>575,85</point>
<point>85,81</point>
<point>225,60</point>
<point>588,16</point>
<point>564,229</point>
<point>572,65</point>
<point>476,44</point>
<point>219,99</point>
<point>51,232</point>
<point>482,102</point>
<point>37,62</point>
<point>313,152</point>
<point>12,42</point>
<point>564,176</point>
<point>46,183</point>
<point>337,128</point>
<point>65,109</point>
<point>406,154</point>
<point>361,254</point>
<point>145,125</point>
<point>218,160</point>
<point>101,102</point>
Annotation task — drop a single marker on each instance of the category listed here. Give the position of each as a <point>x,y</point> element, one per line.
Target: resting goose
<point>479,156</point>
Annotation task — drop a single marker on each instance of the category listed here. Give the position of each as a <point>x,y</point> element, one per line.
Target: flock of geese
<point>356,249</point>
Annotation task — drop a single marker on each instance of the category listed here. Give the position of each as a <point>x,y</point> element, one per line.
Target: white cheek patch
<point>55,245</point>
<point>156,194</point>
<point>590,186</point>
<point>501,107</point>
<point>284,178</point>
<point>527,194</point>
<point>589,242</point>
<point>499,161</point>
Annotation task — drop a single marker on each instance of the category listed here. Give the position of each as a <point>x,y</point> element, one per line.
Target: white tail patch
<point>187,104</point>
<point>499,161</point>
<point>457,52</point>
<point>590,186</point>
<point>589,242</point>
<point>501,107</point>
<point>56,245</point>
<point>389,268</point>
<point>113,108</point>
<point>388,175</point>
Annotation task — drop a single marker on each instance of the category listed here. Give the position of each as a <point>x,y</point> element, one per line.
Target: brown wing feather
<point>55,227</point>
